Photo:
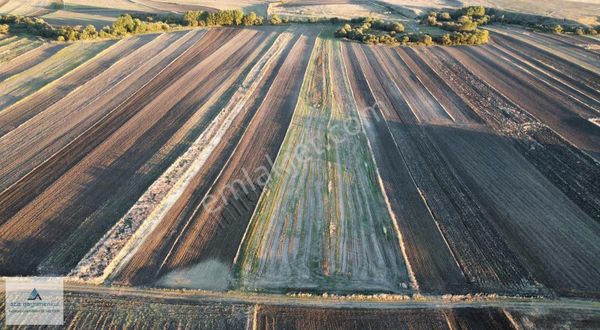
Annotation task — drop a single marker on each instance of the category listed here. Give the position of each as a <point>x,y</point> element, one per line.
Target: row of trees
<point>391,33</point>
<point>558,29</point>
<point>462,20</point>
<point>136,24</point>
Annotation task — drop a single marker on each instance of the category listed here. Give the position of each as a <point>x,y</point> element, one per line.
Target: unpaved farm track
<point>93,307</point>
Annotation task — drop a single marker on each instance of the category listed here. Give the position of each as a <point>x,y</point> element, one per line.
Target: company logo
<point>34,295</point>
<point>34,301</point>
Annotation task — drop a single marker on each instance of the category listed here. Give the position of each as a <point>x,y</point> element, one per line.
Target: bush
<point>397,27</point>
<point>275,20</point>
<point>557,29</point>
<point>4,28</point>
<point>427,40</point>
<point>432,20</point>
<point>252,19</point>
<point>192,17</point>
<point>445,16</point>
<point>474,11</point>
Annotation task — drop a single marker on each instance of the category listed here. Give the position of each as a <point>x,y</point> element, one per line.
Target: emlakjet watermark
<point>34,300</point>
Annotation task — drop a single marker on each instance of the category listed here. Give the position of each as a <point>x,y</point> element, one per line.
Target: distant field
<point>103,12</point>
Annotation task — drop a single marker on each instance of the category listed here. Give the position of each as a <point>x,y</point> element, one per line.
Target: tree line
<point>373,31</point>
<point>132,24</point>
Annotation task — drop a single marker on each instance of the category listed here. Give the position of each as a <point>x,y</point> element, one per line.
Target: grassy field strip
<point>29,81</point>
<point>250,234</point>
<point>359,194</point>
<point>519,192</point>
<point>540,44</point>
<point>29,59</point>
<point>353,246</point>
<point>140,221</point>
<point>20,46</point>
<point>590,103</point>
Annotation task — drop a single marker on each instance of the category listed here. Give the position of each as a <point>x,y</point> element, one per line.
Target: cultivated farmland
<point>282,164</point>
<point>322,223</point>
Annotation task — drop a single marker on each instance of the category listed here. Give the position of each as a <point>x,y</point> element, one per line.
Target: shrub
<point>445,16</point>
<point>474,11</point>
<point>89,33</point>
<point>397,27</point>
<point>432,20</point>
<point>557,29</point>
<point>4,28</point>
<point>192,17</point>
<point>427,40</point>
<point>252,19</point>
<point>445,40</point>
<point>275,20</point>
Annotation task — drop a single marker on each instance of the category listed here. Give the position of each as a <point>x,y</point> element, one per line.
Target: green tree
<point>445,16</point>
<point>123,25</point>
<point>557,29</point>
<point>446,41</point>
<point>427,40</point>
<point>397,27</point>
<point>89,33</point>
<point>275,20</point>
<point>238,16</point>
<point>191,17</point>
<point>249,19</point>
